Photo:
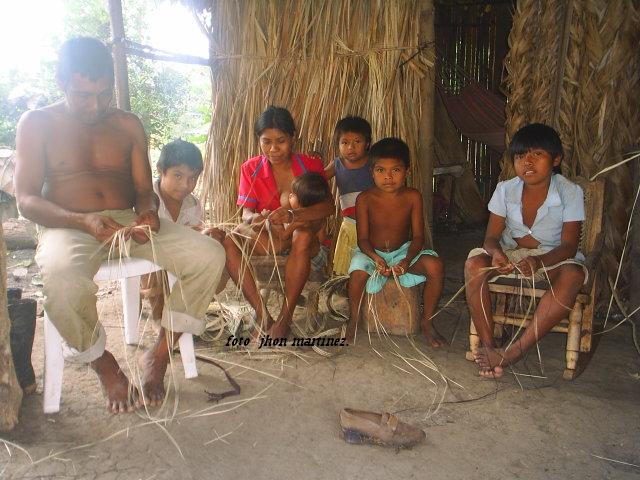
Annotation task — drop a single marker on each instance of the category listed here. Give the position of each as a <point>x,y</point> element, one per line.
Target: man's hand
<point>101,227</point>
<point>145,219</point>
<point>281,216</point>
<point>500,260</point>
<point>528,265</point>
<point>401,267</point>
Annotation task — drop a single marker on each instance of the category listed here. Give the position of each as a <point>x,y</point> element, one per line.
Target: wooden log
<point>395,309</point>
<point>10,391</point>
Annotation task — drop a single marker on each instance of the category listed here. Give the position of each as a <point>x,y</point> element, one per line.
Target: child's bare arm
<point>569,241</point>
<point>417,232</point>
<point>491,244</point>
<point>330,170</point>
<point>362,230</point>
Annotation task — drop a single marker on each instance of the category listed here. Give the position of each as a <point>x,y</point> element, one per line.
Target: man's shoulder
<point>125,119</point>
<point>41,116</point>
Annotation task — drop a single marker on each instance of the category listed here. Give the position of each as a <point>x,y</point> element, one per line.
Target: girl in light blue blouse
<point>534,230</point>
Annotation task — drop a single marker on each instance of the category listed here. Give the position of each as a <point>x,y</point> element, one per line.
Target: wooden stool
<point>394,307</point>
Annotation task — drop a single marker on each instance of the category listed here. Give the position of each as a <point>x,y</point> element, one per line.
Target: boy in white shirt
<point>180,165</point>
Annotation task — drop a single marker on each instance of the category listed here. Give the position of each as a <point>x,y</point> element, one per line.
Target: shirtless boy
<point>82,174</point>
<point>390,228</point>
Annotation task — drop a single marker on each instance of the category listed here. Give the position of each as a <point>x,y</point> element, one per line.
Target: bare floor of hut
<point>284,424</point>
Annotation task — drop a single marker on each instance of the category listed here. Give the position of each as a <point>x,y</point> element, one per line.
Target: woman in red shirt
<point>265,184</point>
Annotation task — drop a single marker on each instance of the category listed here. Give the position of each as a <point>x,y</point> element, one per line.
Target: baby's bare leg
<point>432,268</point>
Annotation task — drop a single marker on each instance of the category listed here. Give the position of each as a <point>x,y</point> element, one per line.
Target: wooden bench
<point>578,326</point>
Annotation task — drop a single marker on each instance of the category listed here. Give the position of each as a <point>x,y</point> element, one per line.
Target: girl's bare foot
<point>153,366</point>
<point>432,335</point>
<point>120,394</point>
<point>491,362</point>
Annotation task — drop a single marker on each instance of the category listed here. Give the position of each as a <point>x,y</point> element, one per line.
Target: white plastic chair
<point>128,271</point>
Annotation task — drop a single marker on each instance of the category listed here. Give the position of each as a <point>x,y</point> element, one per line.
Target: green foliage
<point>20,92</point>
<point>167,101</point>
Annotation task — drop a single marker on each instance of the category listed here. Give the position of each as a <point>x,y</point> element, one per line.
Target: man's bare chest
<point>70,149</point>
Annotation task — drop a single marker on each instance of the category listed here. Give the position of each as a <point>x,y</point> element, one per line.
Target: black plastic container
<point>22,313</point>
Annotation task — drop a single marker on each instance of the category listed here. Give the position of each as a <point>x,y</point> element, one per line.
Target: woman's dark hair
<point>275,117</point>
<point>85,56</point>
<point>390,148</point>
<point>310,188</point>
<point>180,152</point>
<point>537,135</point>
<point>353,124</point>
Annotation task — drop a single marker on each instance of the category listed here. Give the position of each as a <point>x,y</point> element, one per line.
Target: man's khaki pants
<point>69,259</point>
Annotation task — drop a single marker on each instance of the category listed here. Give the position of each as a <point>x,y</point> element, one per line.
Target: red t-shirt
<point>258,189</point>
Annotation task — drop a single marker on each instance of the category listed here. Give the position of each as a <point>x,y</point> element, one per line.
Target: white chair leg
<point>53,367</point>
<point>187,352</point>
<point>130,308</point>
<point>188,355</point>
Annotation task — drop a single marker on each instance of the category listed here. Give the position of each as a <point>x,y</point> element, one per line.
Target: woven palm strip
<point>320,59</point>
<point>598,107</point>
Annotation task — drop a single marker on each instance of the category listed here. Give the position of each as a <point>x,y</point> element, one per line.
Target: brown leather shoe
<point>380,428</point>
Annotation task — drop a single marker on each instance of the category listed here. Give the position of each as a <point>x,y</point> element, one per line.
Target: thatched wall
<point>322,60</point>
<point>575,65</point>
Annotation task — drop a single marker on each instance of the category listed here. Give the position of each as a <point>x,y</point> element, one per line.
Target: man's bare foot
<point>432,335</point>
<point>121,395</point>
<point>153,366</point>
<point>491,362</point>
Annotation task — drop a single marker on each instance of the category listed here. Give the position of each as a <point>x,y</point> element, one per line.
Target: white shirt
<point>190,211</point>
<point>564,203</point>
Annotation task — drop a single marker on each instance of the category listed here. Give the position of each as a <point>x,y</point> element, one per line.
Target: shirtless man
<point>82,174</point>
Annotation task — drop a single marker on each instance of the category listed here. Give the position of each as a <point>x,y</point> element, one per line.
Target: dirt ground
<point>285,422</point>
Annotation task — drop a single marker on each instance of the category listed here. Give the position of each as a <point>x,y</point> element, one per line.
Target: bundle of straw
<point>322,61</point>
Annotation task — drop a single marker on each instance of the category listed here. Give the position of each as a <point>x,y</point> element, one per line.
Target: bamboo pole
<point>119,55</point>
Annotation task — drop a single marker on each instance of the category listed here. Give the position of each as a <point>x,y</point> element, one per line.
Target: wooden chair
<point>578,325</point>
<point>271,279</point>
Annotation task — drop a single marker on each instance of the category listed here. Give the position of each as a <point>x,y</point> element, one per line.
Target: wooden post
<point>10,391</point>
<point>634,253</point>
<point>426,149</point>
<point>119,55</point>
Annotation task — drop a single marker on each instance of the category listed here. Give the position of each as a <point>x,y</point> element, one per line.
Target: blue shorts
<point>360,261</point>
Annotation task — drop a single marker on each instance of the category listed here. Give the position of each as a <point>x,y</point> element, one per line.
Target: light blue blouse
<point>564,203</point>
